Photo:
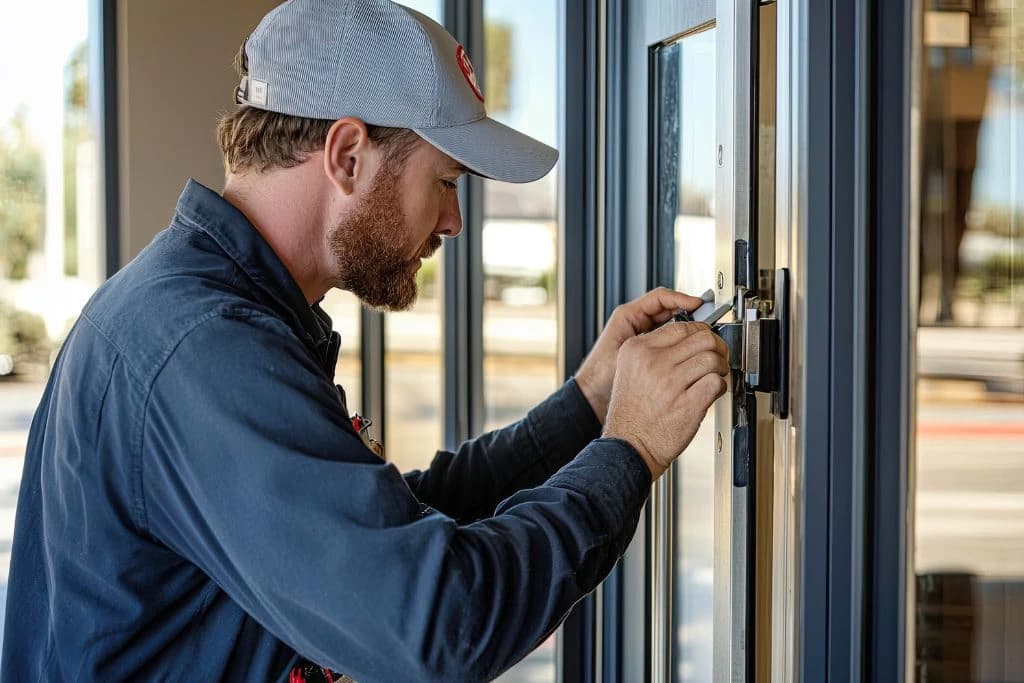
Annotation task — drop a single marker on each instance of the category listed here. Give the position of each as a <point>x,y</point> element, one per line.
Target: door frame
<point>844,186</point>
<point>631,39</point>
<point>847,159</point>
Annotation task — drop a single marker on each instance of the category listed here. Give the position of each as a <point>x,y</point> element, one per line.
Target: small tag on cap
<point>257,92</point>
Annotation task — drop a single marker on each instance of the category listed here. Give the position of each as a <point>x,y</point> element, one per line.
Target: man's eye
<point>449,184</point>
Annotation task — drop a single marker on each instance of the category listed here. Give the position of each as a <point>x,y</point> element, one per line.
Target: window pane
<point>415,373</point>
<point>969,555</point>
<point>413,360</point>
<point>51,235</point>
<point>686,165</point>
<point>520,221</point>
<point>520,234</point>
<point>344,309</point>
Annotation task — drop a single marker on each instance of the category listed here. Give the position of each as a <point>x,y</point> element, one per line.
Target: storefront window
<point>51,235</point>
<point>969,554</point>
<point>520,237</point>
<point>345,311</point>
<point>520,231</point>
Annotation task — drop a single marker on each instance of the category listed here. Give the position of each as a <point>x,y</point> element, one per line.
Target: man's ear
<point>349,156</point>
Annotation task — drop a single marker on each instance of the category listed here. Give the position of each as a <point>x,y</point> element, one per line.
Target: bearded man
<point>196,503</point>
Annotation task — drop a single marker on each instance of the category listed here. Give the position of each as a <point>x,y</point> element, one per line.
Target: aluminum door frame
<point>845,188</point>
<point>648,561</point>
<point>845,227</point>
<point>736,117</point>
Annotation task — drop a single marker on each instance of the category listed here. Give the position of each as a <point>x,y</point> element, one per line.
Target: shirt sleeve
<point>249,473</point>
<point>469,484</point>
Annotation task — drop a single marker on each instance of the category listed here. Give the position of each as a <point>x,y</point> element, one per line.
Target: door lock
<point>759,345</point>
<point>759,356</point>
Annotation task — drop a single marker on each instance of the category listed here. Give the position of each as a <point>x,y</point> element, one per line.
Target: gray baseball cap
<point>388,65</point>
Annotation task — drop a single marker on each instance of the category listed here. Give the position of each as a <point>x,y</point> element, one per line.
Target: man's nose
<point>449,223</point>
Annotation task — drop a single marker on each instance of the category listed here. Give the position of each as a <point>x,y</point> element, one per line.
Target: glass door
<point>700,177</point>
<point>968,561</point>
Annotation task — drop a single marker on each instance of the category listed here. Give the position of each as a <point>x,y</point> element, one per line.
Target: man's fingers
<point>657,306</point>
<point>708,389</point>
<point>673,334</point>
<point>687,339</point>
<point>698,366</point>
<point>675,345</point>
<point>704,340</point>
<point>663,300</point>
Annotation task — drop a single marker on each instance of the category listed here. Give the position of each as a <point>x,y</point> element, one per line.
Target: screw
<point>719,442</point>
<point>720,155</point>
<point>721,281</point>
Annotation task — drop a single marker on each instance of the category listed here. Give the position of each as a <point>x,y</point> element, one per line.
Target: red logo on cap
<point>467,70</point>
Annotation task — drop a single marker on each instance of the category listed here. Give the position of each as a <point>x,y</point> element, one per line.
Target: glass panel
<point>51,239</point>
<point>686,163</point>
<point>520,237</point>
<point>414,372</point>
<point>344,309</point>
<point>520,221</point>
<point>969,556</point>
<point>414,360</point>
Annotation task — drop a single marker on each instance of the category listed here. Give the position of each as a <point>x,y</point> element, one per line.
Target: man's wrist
<point>653,465</point>
<point>598,403</point>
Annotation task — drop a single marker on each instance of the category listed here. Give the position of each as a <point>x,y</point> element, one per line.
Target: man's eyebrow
<point>459,168</point>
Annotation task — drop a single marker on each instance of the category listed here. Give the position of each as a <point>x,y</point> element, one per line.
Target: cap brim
<point>493,150</point>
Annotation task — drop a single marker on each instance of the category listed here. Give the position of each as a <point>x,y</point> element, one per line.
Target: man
<point>196,504</point>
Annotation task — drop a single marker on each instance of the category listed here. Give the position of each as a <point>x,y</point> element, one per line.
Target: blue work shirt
<point>196,505</point>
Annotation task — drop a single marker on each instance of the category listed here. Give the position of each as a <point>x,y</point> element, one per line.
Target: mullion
<point>579,649</point>
<point>103,17</point>
<point>372,371</point>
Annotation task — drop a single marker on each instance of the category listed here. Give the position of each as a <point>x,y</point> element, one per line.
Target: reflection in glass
<point>51,235</point>
<point>969,554</point>
<point>413,358</point>
<point>973,182</point>
<point>686,162</point>
<point>520,235</point>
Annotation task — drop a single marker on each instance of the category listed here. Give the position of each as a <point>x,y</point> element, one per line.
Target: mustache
<point>433,244</point>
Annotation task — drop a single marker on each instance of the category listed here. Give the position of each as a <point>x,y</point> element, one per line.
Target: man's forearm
<point>470,483</point>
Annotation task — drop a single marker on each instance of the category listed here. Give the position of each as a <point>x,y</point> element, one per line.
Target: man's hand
<point>664,384</point>
<point>641,315</point>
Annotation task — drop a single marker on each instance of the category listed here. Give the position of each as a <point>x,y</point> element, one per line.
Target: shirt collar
<point>203,209</point>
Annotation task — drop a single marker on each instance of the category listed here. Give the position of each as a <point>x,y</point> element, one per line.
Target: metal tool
<point>706,312</point>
